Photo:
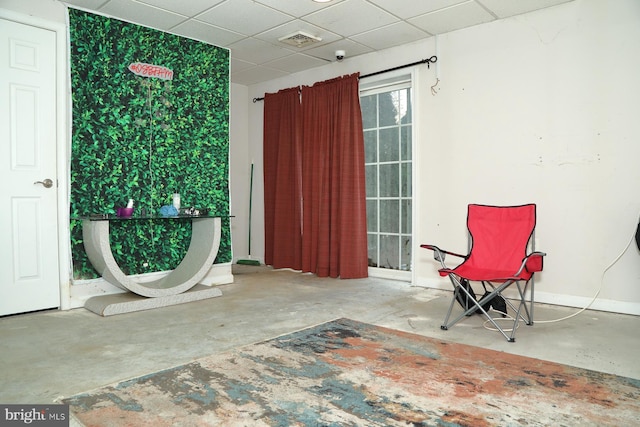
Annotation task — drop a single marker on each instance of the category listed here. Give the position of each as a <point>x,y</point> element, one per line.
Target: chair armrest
<point>437,249</point>
<point>439,254</point>
<point>532,263</point>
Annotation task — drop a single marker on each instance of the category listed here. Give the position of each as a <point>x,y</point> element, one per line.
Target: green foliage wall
<point>145,138</point>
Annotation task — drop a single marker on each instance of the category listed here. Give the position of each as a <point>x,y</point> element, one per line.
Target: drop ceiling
<point>251,29</point>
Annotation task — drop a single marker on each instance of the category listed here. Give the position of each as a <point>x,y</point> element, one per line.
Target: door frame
<point>411,73</point>
<point>63,145</point>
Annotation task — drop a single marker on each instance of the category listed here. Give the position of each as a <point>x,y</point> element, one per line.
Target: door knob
<point>47,183</point>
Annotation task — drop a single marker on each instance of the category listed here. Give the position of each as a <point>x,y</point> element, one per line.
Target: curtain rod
<point>427,61</point>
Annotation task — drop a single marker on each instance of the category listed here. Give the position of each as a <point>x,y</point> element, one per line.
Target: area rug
<point>347,373</point>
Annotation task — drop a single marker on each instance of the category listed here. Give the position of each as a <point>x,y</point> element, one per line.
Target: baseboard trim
<point>600,304</point>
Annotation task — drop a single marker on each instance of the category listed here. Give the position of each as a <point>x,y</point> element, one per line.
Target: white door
<point>29,276</point>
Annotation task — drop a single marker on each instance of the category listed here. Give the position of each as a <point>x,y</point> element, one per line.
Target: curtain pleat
<point>326,187</point>
<point>333,183</point>
<point>282,179</point>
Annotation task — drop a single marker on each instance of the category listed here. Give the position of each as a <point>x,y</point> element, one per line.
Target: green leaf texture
<point>145,138</point>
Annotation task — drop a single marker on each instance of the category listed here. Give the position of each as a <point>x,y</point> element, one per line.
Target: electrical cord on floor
<point>611,264</point>
<point>505,316</point>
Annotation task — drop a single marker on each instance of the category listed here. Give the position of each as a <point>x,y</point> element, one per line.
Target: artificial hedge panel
<point>145,138</point>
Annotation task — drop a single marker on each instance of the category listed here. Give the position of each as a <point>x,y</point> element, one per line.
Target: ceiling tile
<point>341,18</point>
<point>142,14</point>
<point>295,63</point>
<point>237,65</point>
<point>189,7</point>
<point>453,18</point>
<point>86,4</point>
<point>296,7</point>
<point>409,9</point>
<point>272,35</point>
<point>257,51</point>
<point>328,51</point>
<point>244,16</point>
<point>256,75</point>
<point>391,35</point>
<point>207,33</point>
<point>503,9</point>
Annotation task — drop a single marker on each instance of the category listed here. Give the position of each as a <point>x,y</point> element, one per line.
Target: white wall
<point>50,10</point>
<point>239,170</point>
<point>540,108</point>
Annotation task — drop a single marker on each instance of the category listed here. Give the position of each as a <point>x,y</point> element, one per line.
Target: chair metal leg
<point>523,310</point>
<point>453,301</point>
<point>528,315</point>
<point>477,306</point>
<point>491,319</point>
<point>531,301</point>
<point>458,288</point>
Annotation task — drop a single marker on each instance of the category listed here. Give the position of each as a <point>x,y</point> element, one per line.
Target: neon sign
<point>150,70</point>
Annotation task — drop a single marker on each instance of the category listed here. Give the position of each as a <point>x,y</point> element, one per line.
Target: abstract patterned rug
<point>347,373</point>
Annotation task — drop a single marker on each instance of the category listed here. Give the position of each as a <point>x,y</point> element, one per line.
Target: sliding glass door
<point>387,122</point>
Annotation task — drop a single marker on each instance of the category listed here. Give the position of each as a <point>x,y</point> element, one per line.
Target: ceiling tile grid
<point>462,15</point>
<point>250,29</point>
<point>244,16</point>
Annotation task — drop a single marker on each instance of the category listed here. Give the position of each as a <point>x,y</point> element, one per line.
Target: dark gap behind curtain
<point>283,179</point>
<point>331,143</point>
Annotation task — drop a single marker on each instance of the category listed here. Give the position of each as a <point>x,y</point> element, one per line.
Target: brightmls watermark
<point>34,415</point>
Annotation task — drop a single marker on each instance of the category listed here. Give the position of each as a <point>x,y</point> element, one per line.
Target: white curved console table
<point>170,289</point>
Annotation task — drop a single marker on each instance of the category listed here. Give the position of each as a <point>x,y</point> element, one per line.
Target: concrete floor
<point>53,354</point>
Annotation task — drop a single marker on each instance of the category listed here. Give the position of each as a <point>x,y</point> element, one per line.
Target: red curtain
<point>333,184</point>
<point>327,186</point>
<point>282,179</point>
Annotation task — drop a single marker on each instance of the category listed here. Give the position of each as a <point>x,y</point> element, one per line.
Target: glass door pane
<point>387,125</point>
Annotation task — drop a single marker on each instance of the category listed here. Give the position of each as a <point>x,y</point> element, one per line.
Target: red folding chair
<point>500,238</point>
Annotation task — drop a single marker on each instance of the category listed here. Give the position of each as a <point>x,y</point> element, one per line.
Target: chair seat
<point>484,274</point>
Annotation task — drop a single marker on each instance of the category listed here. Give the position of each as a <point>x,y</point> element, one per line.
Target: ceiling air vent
<point>299,39</point>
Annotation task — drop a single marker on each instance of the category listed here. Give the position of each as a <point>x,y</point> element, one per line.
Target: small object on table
<point>124,212</point>
<point>192,211</point>
<point>168,210</point>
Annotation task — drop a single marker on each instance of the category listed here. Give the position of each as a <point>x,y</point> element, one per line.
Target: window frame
<point>400,79</point>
